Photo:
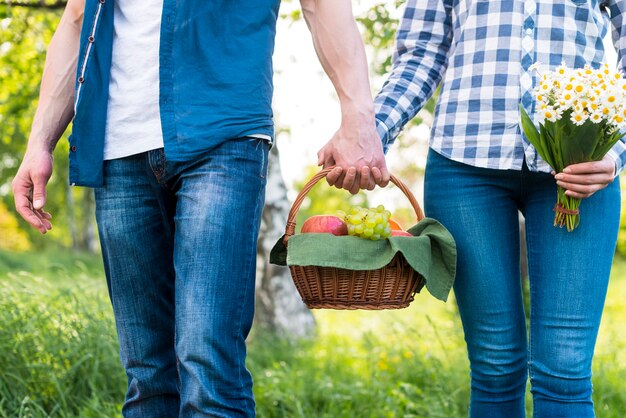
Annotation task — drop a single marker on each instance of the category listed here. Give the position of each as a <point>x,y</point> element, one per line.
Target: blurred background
<point>58,349</point>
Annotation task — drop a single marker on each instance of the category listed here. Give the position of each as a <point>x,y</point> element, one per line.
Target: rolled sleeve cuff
<point>618,154</point>
<point>618,158</point>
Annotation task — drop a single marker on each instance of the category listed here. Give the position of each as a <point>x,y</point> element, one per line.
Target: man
<point>172,123</point>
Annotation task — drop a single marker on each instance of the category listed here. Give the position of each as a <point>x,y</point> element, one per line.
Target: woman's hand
<point>584,179</point>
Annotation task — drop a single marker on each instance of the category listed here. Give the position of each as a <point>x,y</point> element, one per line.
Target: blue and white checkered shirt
<point>482,51</point>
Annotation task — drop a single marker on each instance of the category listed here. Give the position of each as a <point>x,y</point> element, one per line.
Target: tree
<point>279,308</point>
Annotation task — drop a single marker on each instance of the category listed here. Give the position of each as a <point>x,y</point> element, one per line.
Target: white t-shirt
<point>133,120</point>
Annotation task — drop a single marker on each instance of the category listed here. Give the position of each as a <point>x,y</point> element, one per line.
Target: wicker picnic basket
<point>390,287</point>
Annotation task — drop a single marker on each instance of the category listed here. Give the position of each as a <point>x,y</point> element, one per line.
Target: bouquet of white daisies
<point>581,115</point>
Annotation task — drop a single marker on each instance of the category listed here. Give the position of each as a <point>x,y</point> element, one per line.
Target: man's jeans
<point>568,271</point>
<point>179,249</point>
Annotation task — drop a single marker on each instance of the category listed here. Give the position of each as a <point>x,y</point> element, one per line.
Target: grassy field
<point>58,353</point>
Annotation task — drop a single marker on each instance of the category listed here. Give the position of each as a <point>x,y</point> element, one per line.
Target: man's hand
<point>355,149</point>
<point>584,179</point>
<point>357,154</point>
<point>29,189</point>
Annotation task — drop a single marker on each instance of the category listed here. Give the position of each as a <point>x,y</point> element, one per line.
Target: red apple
<point>327,224</point>
<point>396,233</point>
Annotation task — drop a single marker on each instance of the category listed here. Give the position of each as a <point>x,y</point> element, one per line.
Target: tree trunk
<point>71,216</point>
<point>279,308</point>
<point>90,240</point>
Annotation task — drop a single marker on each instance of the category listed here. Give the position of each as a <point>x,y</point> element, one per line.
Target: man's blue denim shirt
<point>215,78</point>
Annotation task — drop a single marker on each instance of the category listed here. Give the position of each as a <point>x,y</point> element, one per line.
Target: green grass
<point>59,357</point>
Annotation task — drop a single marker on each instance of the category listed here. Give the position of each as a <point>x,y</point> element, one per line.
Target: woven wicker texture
<point>390,287</point>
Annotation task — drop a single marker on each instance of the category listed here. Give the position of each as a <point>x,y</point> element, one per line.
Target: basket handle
<point>291,219</point>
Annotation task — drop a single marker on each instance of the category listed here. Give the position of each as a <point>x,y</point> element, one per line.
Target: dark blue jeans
<point>179,249</point>
<point>569,273</point>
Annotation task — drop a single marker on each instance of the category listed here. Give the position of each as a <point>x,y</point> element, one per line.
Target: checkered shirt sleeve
<point>419,61</point>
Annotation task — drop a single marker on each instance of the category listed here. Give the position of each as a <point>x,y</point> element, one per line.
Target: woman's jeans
<point>569,273</point>
<point>179,248</point>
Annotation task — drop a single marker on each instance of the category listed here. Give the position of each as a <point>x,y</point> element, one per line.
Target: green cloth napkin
<point>431,252</point>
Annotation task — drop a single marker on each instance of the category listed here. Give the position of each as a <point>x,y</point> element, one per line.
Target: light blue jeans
<point>569,273</point>
<point>179,249</point>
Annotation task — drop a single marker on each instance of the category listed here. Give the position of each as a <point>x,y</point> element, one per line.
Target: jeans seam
<point>532,313</point>
<point>252,262</point>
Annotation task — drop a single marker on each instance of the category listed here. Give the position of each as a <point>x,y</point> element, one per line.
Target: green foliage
<point>379,31</point>
<point>58,353</point>
<point>13,238</point>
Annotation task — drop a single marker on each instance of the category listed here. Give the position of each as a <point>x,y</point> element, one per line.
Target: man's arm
<point>355,148</point>
<point>54,112</point>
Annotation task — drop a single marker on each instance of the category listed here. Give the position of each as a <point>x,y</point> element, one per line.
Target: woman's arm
<point>420,59</point>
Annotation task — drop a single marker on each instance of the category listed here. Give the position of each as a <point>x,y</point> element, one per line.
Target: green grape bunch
<point>372,224</point>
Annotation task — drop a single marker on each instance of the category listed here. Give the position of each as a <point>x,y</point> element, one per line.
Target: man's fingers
<point>371,184</point>
<point>39,192</point>
<point>377,175</point>
<point>385,176</point>
<point>321,157</point>
<point>44,217</point>
<point>333,176</point>
<point>364,177</point>
<point>355,188</point>
<point>43,214</point>
<point>349,180</point>
<point>23,207</point>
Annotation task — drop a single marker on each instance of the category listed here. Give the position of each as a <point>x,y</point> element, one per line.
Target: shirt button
<point>91,39</point>
<point>73,148</point>
<point>81,79</point>
<point>529,31</point>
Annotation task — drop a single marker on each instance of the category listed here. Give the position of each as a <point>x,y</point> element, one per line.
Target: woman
<point>481,171</point>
